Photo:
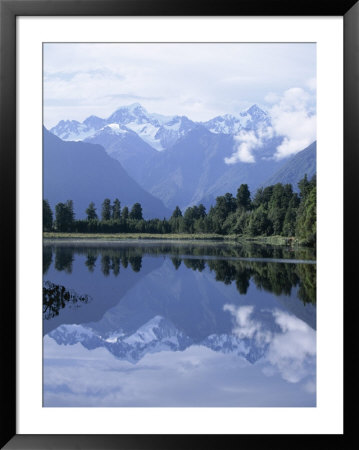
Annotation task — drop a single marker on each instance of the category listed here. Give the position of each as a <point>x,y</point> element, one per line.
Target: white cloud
<point>271,97</point>
<point>198,376</point>
<point>246,327</point>
<point>246,142</point>
<point>294,119</point>
<point>265,132</point>
<point>291,352</point>
<point>224,78</point>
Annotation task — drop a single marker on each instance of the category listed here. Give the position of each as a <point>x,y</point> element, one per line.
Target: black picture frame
<point>9,10</point>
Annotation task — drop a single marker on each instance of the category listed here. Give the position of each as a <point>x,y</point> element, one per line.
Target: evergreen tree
<point>136,212</point>
<point>47,216</point>
<point>125,213</point>
<point>176,220</point>
<point>60,217</point>
<point>188,219</point>
<point>65,217</point>
<point>259,224</point>
<point>201,211</point>
<point>262,197</point>
<point>304,186</point>
<point>307,217</point>
<point>176,213</point>
<point>70,209</point>
<point>243,198</point>
<point>106,209</point>
<point>116,209</point>
<point>225,204</point>
<point>290,218</point>
<point>91,212</point>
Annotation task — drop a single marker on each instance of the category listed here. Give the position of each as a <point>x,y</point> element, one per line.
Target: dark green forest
<point>273,211</point>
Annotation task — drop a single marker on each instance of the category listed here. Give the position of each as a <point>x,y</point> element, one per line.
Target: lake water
<point>154,323</point>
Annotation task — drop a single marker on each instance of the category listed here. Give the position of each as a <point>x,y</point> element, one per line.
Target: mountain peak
<point>130,113</point>
<point>132,108</point>
<point>94,122</point>
<point>256,111</point>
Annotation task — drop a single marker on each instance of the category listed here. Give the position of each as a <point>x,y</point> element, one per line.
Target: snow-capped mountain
<point>137,119</point>
<point>253,118</point>
<point>72,130</point>
<point>157,335</point>
<point>182,162</point>
<point>158,131</point>
<point>170,132</point>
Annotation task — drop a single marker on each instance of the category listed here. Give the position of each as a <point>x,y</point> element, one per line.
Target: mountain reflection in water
<point>159,324</point>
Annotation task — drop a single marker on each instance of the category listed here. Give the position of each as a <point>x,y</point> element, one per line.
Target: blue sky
<point>197,80</point>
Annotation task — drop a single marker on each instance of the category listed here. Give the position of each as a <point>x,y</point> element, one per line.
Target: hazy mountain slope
<point>304,162</point>
<point>84,172</point>
<point>187,168</point>
<point>194,170</point>
<point>127,147</point>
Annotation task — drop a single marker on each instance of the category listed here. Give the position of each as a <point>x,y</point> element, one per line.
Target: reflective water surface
<point>154,323</point>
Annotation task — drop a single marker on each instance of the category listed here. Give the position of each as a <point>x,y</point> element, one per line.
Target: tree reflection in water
<point>225,261</point>
<point>56,297</point>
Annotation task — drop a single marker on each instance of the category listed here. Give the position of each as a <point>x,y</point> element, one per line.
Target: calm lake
<point>157,323</point>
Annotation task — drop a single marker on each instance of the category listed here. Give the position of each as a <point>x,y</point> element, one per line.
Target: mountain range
<point>182,162</point>
<point>158,334</point>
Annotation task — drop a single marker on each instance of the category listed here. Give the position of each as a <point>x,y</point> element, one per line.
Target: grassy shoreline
<point>271,240</point>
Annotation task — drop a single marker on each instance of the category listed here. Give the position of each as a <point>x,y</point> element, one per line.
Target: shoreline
<point>260,240</point>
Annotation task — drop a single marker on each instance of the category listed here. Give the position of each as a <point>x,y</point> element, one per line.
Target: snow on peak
<point>156,335</point>
<point>134,113</point>
<point>136,107</point>
<point>115,128</point>
<point>250,119</point>
<point>160,132</point>
<point>256,112</point>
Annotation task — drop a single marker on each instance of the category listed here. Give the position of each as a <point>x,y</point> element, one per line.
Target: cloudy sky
<point>197,80</point>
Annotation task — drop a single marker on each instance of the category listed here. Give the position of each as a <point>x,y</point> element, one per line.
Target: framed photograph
<point>166,169</point>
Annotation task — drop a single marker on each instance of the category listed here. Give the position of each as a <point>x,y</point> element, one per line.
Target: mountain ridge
<point>184,163</point>
<point>300,164</point>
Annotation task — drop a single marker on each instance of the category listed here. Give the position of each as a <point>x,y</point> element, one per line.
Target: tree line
<point>274,210</point>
